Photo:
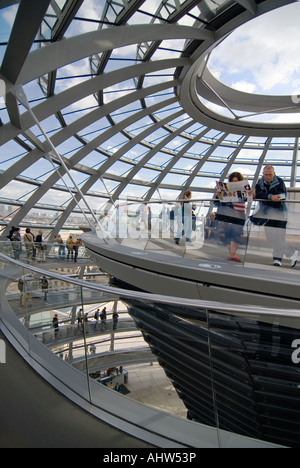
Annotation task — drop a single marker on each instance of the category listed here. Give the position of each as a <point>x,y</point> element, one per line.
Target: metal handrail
<point>120,202</point>
<point>157,298</point>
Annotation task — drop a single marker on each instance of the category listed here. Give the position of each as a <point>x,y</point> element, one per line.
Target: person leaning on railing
<point>29,243</point>
<point>76,246</point>
<point>185,219</point>
<point>61,246</point>
<point>41,247</point>
<point>272,213</point>
<point>69,245</point>
<point>16,241</point>
<point>232,217</point>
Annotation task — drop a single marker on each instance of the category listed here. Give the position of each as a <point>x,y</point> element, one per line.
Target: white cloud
<point>263,52</point>
<point>244,86</point>
<point>89,9</point>
<point>10,14</point>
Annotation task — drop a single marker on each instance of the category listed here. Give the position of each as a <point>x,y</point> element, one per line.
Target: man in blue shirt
<point>271,191</point>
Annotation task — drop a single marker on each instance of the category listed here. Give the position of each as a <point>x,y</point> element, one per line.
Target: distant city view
<point>44,220</point>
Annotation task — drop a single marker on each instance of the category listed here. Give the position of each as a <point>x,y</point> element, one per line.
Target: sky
<point>260,57</point>
<point>263,55</point>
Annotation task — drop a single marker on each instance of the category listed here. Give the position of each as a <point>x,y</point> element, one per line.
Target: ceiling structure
<point>106,100</point>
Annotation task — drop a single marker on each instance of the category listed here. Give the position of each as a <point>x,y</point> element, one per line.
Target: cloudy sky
<point>263,55</point>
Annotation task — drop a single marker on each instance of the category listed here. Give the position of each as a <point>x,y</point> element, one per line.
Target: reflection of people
<point>17,243</point>
<point>210,226</point>
<point>187,220</point>
<point>145,212</point>
<point>41,247</point>
<point>271,191</point>
<point>103,319</point>
<point>61,246</point>
<point>44,286</point>
<point>115,320</point>
<point>79,317</point>
<point>55,325</point>
<point>96,317</point>
<point>26,297</point>
<point>233,216</point>
<point>76,246</point>
<point>21,288</point>
<point>29,243</point>
<point>70,244</point>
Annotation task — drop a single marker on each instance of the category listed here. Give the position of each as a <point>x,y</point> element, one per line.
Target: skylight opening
<point>261,56</point>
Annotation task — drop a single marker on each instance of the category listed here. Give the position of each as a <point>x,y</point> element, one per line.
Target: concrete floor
<point>34,415</point>
<point>149,385</point>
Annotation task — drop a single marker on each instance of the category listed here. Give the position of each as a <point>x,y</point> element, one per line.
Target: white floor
<point>149,385</point>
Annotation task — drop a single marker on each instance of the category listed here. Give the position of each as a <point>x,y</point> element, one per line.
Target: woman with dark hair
<point>233,217</point>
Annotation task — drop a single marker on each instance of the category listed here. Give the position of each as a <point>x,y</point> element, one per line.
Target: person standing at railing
<point>185,219</point>
<point>76,246</point>
<point>44,283</point>
<point>41,247</point>
<point>96,317</point>
<point>70,244</point>
<point>55,325</point>
<point>16,243</point>
<point>233,217</point>
<point>210,226</point>
<point>103,319</point>
<point>271,190</point>
<point>79,317</point>
<point>115,319</point>
<point>29,244</point>
<point>21,288</point>
<point>61,247</point>
<point>26,296</point>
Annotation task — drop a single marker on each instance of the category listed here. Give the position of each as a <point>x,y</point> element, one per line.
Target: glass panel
<point>178,337</point>
<point>255,375</point>
<point>235,369</point>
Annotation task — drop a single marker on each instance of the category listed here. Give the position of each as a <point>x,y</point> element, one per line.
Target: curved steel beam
<point>149,155</point>
<point>76,93</point>
<point>53,179</point>
<point>76,48</point>
<point>28,20</point>
<point>174,161</point>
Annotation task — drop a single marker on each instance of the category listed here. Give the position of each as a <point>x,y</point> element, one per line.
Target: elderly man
<point>271,191</point>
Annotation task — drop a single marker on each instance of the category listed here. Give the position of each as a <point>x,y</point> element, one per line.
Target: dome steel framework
<point>116,94</point>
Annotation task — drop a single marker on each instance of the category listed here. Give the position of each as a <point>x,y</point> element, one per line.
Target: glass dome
<point>109,100</point>
<point>268,45</point>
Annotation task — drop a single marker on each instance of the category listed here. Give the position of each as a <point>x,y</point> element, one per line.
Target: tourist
<point>29,244</point>
<point>232,215</point>
<point>271,192</point>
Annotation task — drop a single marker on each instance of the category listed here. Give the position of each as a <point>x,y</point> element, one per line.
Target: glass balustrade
<point>50,252</point>
<point>231,370</point>
<point>164,228</point>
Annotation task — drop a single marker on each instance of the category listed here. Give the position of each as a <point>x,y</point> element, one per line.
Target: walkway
<point>35,415</point>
